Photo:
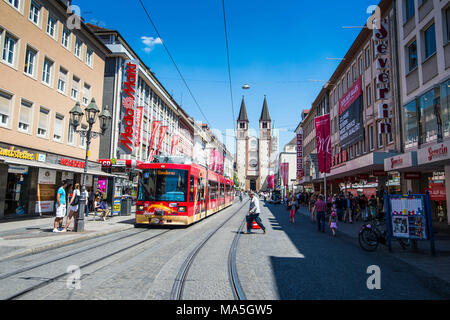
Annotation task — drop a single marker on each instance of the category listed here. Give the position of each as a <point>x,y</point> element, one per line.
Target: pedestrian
<point>340,207</point>
<point>253,214</point>
<point>91,202</point>
<point>320,208</point>
<point>333,221</point>
<point>373,207</point>
<point>363,207</point>
<point>60,206</point>
<point>292,209</point>
<point>74,204</point>
<point>312,202</point>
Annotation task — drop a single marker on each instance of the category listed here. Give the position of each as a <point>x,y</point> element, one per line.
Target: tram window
<point>163,185</point>
<point>213,190</point>
<point>191,189</point>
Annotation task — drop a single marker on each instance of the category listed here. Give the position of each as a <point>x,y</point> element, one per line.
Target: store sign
<point>17,169</point>
<point>44,206</point>
<point>323,139</point>
<point>405,160</point>
<point>127,112</point>
<point>72,163</point>
<point>351,127</point>
<point>381,45</point>
<point>436,152</point>
<point>300,171</point>
<point>19,154</point>
<point>413,175</point>
<point>437,192</point>
<point>379,173</point>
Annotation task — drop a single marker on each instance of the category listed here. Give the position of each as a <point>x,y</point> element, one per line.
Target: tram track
<point>180,280</point>
<point>59,276</point>
<point>84,250</point>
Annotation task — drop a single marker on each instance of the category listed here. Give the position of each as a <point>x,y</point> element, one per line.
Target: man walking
<point>253,214</point>
<point>320,207</point>
<point>60,206</point>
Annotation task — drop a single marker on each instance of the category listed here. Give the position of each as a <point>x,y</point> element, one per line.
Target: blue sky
<point>280,48</point>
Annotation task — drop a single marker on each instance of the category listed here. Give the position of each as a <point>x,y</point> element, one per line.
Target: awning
<point>52,166</point>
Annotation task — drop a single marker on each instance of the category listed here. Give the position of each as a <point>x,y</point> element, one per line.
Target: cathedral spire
<point>243,112</point>
<point>265,112</point>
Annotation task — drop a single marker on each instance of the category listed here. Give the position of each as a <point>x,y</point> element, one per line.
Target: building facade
<point>253,154</point>
<point>46,66</point>
<point>424,53</point>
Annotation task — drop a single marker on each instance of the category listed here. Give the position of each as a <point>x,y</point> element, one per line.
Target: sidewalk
<point>19,238</point>
<point>437,266</point>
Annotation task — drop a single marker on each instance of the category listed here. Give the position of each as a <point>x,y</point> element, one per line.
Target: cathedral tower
<point>265,135</point>
<point>242,145</point>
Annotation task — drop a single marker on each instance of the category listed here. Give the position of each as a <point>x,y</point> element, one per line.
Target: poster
<point>45,198</point>
<point>351,128</point>
<point>408,217</point>
<point>46,176</point>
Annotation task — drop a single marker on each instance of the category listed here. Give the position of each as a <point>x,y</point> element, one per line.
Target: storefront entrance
<point>14,199</point>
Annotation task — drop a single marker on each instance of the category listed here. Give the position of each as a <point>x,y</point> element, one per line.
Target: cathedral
<point>253,154</point>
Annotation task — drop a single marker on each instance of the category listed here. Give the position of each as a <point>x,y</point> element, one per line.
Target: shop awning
<point>52,166</point>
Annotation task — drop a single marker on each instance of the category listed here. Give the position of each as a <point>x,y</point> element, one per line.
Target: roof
<point>243,112</point>
<point>265,112</point>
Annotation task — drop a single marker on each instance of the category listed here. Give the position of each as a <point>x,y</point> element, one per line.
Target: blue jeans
<point>254,217</point>
<point>321,221</point>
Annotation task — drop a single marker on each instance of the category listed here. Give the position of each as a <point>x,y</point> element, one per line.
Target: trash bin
<point>125,206</point>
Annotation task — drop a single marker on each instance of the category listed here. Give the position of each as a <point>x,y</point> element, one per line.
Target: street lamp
<point>76,115</point>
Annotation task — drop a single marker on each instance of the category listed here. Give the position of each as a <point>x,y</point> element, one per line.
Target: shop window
<point>428,119</point>
<point>5,108</point>
<point>445,108</point>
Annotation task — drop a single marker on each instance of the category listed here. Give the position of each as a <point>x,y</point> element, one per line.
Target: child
<point>333,221</point>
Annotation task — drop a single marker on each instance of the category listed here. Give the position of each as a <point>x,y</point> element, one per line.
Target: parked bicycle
<point>373,233</point>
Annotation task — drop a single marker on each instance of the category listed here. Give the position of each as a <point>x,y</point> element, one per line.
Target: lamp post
<point>76,115</point>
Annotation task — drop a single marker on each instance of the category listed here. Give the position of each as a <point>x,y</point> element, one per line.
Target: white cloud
<point>150,43</point>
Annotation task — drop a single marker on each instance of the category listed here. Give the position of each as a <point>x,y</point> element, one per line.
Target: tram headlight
<point>181,209</point>
<point>140,208</point>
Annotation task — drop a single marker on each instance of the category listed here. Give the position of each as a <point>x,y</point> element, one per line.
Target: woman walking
<point>320,207</point>
<point>292,209</point>
<point>74,206</point>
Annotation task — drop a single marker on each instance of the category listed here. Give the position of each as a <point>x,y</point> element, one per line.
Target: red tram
<point>180,194</point>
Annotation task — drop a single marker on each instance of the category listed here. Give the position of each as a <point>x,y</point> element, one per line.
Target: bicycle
<point>373,233</point>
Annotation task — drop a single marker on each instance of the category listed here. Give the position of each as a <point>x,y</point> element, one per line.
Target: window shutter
<point>63,74</point>
<point>5,100</point>
<point>59,125</point>
<point>43,119</point>
<point>76,83</point>
<point>25,113</point>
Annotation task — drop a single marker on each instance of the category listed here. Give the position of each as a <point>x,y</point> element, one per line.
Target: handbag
<point>76,201</point>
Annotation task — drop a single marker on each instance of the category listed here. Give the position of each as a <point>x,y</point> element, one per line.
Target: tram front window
<point>163,185</point>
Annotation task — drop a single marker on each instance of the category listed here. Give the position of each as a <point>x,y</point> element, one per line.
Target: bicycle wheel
<point>368,240</point>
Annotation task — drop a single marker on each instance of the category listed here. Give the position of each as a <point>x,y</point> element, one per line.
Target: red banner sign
<point>284,170</point>
<point>323,143</point>
<point>72,163</point>
<point>162,135</point>
<point>271,181</point>
<point>437,192</point>
<point>350,97</point>
<point>175,140</point>
<point>155,128</point>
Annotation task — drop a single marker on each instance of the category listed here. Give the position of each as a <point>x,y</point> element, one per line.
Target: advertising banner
<point>323,143</point>
<point>284,170</point>
<point>351,128</point>
<point>271,181</point>
<point>300,171</point>
<point>155,127</point>
<point>162,135</point>
<point>128,108</point>
<point>139,113</point>
<point>175,140</point>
